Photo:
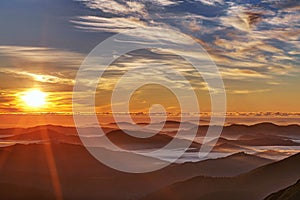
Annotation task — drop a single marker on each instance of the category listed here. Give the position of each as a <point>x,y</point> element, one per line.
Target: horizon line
<point>230,113</point>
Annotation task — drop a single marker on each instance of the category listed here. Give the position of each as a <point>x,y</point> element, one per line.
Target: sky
<point>255,45</point>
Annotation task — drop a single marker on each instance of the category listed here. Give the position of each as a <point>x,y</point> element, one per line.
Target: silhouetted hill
<point>232,165</point>
<point>126,141</point>
<point>19,191</point>
<point>227,147</point>
<point>289,193</point>
<point>250,134</point>
<point>60,134</point>
<point>45,134</point>
<point>259,141</point>
<point>273,154</point>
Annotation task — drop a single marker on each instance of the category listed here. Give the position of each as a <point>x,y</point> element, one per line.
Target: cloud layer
<point>255,44</point>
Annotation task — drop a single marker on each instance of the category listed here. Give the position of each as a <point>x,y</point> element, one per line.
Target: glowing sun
<point>34,98</point>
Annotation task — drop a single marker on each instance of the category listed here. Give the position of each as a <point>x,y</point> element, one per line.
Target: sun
<point>34,98</point>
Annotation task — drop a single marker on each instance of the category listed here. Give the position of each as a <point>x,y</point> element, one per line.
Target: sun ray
<point>51,164</point>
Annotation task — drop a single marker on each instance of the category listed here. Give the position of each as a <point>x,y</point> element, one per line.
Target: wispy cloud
<point>211,2</point>
<point>247,91</point>
<point>236,73</point>
<point>248,45</point>
<point>117,24</point>
<point>115,7</point>
<point>44,78</point>
<point>40,54</point>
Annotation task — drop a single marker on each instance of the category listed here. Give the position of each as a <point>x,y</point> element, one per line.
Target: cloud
<point>247,91</point>
<point>289,5</point>
<point>44,78</point>
<point>6,98</point>
<point>248,46</point>
<point>116,24</point>
<point>290,19</point>
<point>211,2</point>
<point>123,7</point>
<point>193,25</point>
<point>41,54</point>
<point>241,18</point>
<point>236,73</point>
<point>40,61</point>
<point>115,7</point>
<point>165,2</point>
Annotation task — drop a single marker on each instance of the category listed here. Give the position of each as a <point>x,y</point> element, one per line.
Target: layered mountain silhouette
<point>28,167</point>
<point>262,129</point>
<point>255,184</point>
<point>56,163</point>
